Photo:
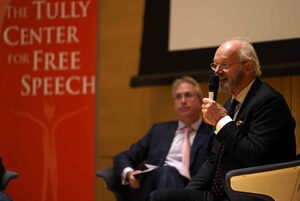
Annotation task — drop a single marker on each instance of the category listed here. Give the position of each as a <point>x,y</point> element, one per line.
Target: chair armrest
<point>109,177</point>
<point>7,176</point>
<point>113,183</point>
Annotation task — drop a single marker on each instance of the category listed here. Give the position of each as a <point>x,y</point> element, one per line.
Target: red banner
<point>48,52</point>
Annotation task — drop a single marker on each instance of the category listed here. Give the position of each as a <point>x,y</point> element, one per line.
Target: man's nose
<point>183,99</point>
<point>218,70</point>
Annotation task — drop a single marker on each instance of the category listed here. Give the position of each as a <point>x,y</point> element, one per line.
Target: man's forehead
<point>185,86</point>
<point>227,51</point>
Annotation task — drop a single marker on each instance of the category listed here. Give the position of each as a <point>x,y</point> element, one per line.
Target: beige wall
<point>124,113</point>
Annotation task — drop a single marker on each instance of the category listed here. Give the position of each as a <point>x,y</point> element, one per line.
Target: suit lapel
<point>200,138</point>
<point>169,136</point>
<point>250,95</point>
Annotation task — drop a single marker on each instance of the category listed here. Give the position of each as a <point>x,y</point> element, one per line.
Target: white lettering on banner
<point>62,10</point>
<point>15,35</point>
<point>50,40</point>
<point>59,85</point>
<point>15,13</point>
<point>18,58</point>
<point>56,61</point>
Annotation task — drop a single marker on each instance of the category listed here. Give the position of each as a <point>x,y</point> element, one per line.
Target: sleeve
<point>256,140</point>
<point>134,156</point>
<point>124,180</point>
<point>222,122</point>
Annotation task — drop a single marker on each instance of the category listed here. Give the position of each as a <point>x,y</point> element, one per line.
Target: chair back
<point>279,182</point>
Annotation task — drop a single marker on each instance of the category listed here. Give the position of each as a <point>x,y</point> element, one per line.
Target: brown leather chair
<point>275,182</point>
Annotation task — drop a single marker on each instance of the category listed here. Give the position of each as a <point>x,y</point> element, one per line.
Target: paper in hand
<point>145,172</point>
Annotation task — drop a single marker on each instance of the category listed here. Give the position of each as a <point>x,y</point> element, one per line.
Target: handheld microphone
<point>213,87</point>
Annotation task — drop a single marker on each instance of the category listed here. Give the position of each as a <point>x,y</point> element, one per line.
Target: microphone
<point>213,87</point>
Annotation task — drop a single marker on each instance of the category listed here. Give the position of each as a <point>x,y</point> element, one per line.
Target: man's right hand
<point>134,183</point>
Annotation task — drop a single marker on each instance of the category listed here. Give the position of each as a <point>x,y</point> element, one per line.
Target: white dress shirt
<point>174,157</point>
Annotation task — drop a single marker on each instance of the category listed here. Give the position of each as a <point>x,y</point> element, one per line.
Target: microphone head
<point>213,83</point>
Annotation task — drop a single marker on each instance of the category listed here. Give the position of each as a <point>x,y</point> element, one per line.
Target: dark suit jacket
<point>154,147</point>
<point>264,135</point>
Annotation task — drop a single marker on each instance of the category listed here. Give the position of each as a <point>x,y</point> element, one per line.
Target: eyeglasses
<point>223,66</point>
<point>186,96</point>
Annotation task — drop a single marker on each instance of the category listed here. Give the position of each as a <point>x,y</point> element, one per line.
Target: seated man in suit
<point>255,126</point>
<point>178,148</point>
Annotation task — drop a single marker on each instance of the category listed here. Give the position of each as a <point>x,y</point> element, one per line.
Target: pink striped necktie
<point>186,149</point>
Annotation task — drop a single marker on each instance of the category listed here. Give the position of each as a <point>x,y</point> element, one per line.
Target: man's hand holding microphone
<point>212,111</point>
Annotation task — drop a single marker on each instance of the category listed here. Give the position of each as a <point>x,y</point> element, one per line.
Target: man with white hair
<point>255,126</point>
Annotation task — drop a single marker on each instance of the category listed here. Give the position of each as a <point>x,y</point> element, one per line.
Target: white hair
<point>248,53</point>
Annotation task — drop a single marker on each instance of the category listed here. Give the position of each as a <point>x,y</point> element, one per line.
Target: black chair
<point>113,183</point>
<point>279,182</point>
<point>7,176</point>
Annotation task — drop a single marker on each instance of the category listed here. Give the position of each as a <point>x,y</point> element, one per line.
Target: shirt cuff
<point>222,122</point>
<point>123,175</point>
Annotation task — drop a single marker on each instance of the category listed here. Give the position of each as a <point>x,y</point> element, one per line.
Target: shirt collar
<point>242,95</point>
<point>194,126</point>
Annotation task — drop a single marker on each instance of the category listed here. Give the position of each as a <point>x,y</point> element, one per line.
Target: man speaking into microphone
<point>254,127</point>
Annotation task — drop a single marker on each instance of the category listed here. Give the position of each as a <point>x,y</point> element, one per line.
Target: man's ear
<point>249,67</point>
